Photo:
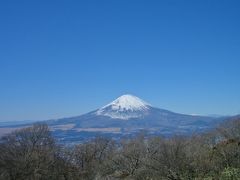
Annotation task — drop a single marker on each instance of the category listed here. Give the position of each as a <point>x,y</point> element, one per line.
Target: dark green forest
<point>33,154</point>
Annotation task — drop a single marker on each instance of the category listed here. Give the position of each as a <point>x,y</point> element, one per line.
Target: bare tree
<point>27,153</point>
<point>89,157</point>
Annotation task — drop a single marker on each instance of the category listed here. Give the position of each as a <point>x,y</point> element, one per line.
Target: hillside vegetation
<point>33,154</point>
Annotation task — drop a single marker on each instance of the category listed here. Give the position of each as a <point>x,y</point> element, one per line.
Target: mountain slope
<point>129,114</point>
<point>126,116</point>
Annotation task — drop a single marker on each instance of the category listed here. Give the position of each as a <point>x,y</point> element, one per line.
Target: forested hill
<point>32,153</point>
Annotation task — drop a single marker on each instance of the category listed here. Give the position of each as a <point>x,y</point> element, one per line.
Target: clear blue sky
<point>65,58</point>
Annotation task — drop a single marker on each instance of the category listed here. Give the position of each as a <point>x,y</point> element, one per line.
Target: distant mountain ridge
<point>126,116</point>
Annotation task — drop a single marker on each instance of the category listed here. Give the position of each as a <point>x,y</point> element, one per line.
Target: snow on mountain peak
<point>125,107</point>
<point>128,102</point>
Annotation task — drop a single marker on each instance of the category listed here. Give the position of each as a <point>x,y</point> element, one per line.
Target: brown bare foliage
<point>32,154</point>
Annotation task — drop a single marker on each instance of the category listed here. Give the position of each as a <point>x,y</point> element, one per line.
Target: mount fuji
<point>126,116</point>
<point>123,117</point>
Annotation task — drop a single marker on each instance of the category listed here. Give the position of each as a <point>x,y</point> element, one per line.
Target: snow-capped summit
<point>128,102</point>
<point>125,107</point>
